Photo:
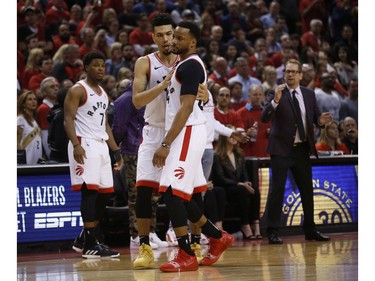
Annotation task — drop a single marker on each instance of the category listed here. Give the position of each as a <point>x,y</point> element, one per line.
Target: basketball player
<point>181,151</point>
<point>86,125</point>
<point>152,74</point>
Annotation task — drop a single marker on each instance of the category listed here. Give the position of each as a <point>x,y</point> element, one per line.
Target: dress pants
<point>299,164</point>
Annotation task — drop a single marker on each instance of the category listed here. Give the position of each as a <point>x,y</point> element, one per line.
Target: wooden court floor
<point>296,259</point>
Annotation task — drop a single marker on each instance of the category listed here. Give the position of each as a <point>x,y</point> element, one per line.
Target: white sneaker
<point>155,239</point>
<point>134,243</point>
<point>171,238</point>
<point>204,240</point>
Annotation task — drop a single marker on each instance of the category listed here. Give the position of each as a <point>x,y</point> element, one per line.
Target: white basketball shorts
<point>96,171</point>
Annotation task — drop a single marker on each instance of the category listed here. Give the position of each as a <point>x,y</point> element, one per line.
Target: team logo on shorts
<point>179,173</point>
<point>79,170</point>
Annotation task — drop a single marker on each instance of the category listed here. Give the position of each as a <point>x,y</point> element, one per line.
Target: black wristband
<point>117,155</point>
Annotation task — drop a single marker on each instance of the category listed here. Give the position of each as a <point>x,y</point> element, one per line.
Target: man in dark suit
<point>293,111</point>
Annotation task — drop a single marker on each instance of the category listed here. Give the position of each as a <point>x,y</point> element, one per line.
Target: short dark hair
<point>294,61</point>
<point>161,19</point>
<point>87,59</point>
<point>193,29</point>
<point>43,59</point>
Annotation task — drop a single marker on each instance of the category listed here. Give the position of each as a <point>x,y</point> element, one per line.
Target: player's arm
<point>203,94</point>
<point>71,104</point>
<point>111,140</point>
<point>142,95</point>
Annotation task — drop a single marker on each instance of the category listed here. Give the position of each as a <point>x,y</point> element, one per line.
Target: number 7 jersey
<point>91,118</point>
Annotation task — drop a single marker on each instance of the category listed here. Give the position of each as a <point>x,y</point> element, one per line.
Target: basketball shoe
<point>145,258</point>
<point>99,251</point>
<point>181,262</point>
<point>78,242</point>
<point>197,251</point>
<point>217,247</point>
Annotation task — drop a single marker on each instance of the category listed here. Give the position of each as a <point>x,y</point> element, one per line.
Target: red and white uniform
<point>154,129</point>
<point>90,127</point>
<point>183,168</point>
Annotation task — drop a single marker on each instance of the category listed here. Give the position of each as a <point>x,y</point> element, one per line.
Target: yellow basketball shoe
<point>145,258</point>
<point>197,251</point>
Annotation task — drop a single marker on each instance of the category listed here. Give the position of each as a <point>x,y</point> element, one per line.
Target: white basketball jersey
<point>31,140</point>
<point>90,121</point>
<point>173,102</point>
<point>155,110</point>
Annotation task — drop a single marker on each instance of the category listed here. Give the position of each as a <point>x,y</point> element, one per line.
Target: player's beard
<point>179,51</point>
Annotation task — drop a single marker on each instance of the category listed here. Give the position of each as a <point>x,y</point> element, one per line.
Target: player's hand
<point>79,154</point>
<point>167,79</point>
<point>240,137</point>
<point>202,93</point>
<point>118,165</point>
<point>160,156</point>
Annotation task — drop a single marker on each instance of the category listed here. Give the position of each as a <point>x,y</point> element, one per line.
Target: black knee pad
<point>193,210</point>
<point>197,197</point>
<point>88,202</point>
<point>102,201</point>
<point>143,206</point>
<point>176,209</point>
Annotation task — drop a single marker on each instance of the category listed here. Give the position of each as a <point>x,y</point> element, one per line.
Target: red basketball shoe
<point>181,262</point>
<point>217,247</point>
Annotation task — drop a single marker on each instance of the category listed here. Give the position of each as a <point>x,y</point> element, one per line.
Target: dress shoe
<point>274,239</point>
<point>317,236</point>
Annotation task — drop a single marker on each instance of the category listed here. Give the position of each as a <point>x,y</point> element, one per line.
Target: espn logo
<point>57,220</point>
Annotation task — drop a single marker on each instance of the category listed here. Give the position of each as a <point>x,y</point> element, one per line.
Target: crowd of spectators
<point>244,45</point>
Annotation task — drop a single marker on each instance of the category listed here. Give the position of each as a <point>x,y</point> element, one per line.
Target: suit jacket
<point>283,122</point>
<point>225,175</point>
